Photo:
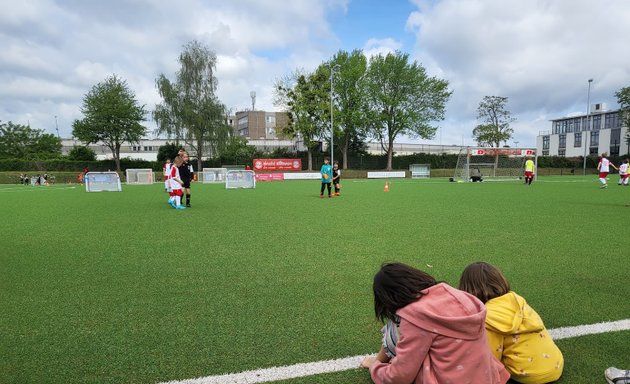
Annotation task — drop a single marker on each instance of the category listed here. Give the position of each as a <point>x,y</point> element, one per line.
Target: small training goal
<point>213,175</point>
<point>139,176</point>
<point>491,164</point>
<point>102,182</point>
<point>240,179</point>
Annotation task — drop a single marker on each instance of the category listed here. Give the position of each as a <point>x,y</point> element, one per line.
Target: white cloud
<point>374,47</point>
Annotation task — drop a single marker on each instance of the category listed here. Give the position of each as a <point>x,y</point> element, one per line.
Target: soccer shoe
<point>172,203</point>
<point>617,376</point>
<point>329,196</point>
<point>187,205</point>
<point>321,196</point>
<point>604,186</point>
<point>180,207</point>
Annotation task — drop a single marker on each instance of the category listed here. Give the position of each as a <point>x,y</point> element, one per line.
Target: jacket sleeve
<point>412,348</point>
<point>495,342</point>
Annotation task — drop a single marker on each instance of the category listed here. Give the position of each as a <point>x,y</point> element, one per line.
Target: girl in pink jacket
<point>440,330</point>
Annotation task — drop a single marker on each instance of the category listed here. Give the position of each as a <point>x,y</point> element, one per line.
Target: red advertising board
<point>269,176</point>
<point>277,164</point>
<point>502,152</point>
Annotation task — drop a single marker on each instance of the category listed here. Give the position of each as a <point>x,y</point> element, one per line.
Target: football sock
<point>178,200</point>
<point>188,199</point>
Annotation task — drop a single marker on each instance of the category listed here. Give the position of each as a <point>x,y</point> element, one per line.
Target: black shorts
<point>186,184</point>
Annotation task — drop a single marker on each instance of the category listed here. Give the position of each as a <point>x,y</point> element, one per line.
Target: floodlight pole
<point>57,128</point>
<point>588,126</point>
<point>332,129</point>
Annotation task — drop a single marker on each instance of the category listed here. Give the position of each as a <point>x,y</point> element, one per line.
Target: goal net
<point>491,164</point>
<point>240,179</point>
<point>213,175</point>
<point>139,176</point>
<point>102,181</point>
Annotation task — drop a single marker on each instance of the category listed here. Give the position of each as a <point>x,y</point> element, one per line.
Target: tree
<point>191,110</point>
<point>402,99</point>
<point>237,150</point>
<point>112,116</point>
<point>496,122</point>
<point>167,151</point>
<point>81,153</point>
<point>623,99</point>
<point>305,98</point>
<point>23,142</point>
<point>349,97</point>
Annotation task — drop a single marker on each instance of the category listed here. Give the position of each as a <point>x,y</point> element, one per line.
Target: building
<point>592,134</point>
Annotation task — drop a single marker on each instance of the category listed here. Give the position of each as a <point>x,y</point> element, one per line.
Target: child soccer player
<point>326,172</point>
<point>623,173</point>
<point>167,173</point>
<point>529,171</point>
<point>176,185</point>
<point>516,334</point>
<point>336,177</point>
<point>603,168</point>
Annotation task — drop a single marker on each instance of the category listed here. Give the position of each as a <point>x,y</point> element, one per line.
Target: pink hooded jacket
<point>442,341</point>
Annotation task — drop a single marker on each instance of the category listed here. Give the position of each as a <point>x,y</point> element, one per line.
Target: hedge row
<point>356,162</point>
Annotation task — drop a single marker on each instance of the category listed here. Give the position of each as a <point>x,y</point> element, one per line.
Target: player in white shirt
<point>623,173</point>
<point>167,174</point>
<point>604,168</point>
<point>176,185</point>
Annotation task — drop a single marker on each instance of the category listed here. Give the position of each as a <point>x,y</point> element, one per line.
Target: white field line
<point>348,363</point>
<point>35,189</point>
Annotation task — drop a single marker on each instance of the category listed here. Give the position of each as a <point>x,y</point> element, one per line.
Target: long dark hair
<point>397,285</point>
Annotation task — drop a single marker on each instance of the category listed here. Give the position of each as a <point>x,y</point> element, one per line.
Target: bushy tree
<point>623,99</point>
<point>402,99</point>
<point>81,153</point>
<point>167,151</point>
<point>23,142</point>
<point>496,119</point>
<point>112,116</point>
<point>191,111</point>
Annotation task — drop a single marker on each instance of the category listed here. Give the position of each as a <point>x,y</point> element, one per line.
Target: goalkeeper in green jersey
<point>326,172</point>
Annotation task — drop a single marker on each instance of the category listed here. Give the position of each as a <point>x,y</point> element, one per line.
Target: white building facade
<point>589,134</point>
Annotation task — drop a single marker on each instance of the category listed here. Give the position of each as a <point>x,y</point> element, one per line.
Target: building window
<point>546,142</point>
<point>597,122</point>
<point>615,141</point>
<point>562,141</point>
<point>594,139</point>
<point>243,120</point>
<point>592,151</point>
<point>271,119</point>
<point>570,126</point>
<point>562,152</point>
<point>577,139</point>
<point>271,131</point>
<point>612,120</point>
<point>148,148</point>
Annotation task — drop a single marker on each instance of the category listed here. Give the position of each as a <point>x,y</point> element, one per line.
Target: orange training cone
<point>386,187</point>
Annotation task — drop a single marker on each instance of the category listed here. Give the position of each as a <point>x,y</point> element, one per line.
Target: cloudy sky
<point>538,53</point>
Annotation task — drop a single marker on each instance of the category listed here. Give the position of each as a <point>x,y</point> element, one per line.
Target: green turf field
<point>121,288</point>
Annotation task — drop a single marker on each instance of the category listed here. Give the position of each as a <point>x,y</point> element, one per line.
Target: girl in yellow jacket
<point>516,334</point>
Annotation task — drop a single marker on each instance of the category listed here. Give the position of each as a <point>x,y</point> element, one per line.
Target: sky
<point>538,53</point>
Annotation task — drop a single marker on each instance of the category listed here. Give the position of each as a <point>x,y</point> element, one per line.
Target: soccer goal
<point>491,164</point>
<point>102,181</point>
<point>419,171</point>
<point>240,179</point>
<point>139,176</point>
<point>213,175</point>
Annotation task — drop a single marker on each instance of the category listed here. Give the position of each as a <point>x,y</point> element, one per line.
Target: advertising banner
<point>277,164</point>
<point>269,176</point>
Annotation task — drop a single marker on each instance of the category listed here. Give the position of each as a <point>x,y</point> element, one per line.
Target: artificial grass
<point>119,287</point>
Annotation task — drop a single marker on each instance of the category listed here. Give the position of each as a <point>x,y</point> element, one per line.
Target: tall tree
<point>23,142</point>
<point>496,120</point>
<point>349,100</point>
<point>623,99</point>
<point>112,116</point>
<point>402,99</point>
<point>305,97</point>
<point>191,110</point>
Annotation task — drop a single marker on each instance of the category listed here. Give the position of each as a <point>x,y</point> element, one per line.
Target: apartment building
<point>590,134</point>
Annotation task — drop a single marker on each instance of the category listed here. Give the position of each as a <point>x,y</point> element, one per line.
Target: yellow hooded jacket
<point>518,338</point>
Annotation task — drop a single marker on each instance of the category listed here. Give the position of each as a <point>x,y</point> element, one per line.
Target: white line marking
<point>348,363</point>
<point>34,189</point>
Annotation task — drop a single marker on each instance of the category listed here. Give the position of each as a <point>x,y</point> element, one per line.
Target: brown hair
<point>484,281</point>
<point>178,160</point>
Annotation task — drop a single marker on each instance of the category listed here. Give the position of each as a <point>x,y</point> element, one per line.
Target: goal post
<point>102,182</point>
<point>139,176</point>
<point>213,175</point>
<point>240,179</point>
<point>491,164</point>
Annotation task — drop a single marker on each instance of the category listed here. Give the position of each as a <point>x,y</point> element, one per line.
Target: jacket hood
<point>510,314</point>
<point>447,311</point>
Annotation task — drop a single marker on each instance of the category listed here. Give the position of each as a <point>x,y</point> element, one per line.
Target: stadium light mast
<point>332,128</point>
<point>57,128</point>
<point>588,126</point>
